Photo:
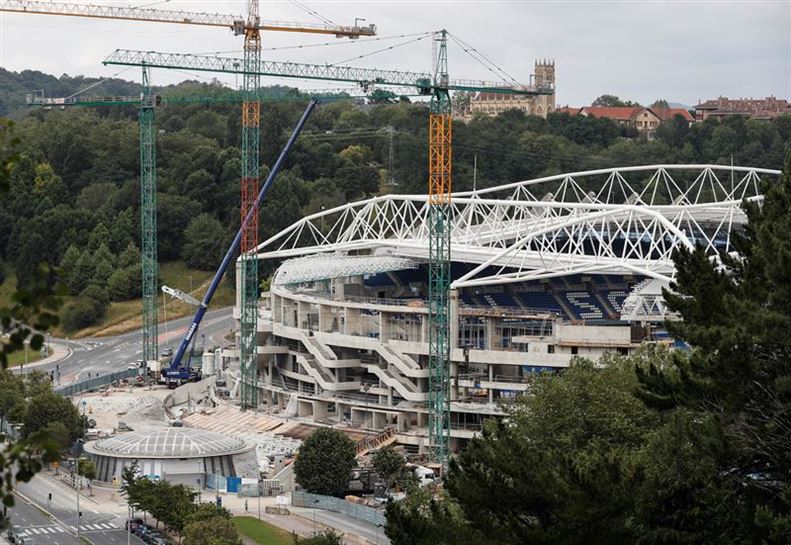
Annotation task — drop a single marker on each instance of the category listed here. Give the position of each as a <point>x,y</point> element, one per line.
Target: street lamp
<point>79,479</point>
<point>377,533</point>
<point>314,517</point>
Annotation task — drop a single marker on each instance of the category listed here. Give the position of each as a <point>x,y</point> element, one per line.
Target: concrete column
<point>384,331</point>
<point>491,378</point>
<point>453,318</point>
<point>325,318</point>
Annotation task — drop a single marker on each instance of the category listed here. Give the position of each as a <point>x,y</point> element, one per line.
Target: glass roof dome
<point>169,443</point>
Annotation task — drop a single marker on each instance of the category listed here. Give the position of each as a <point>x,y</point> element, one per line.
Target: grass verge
<point>18,358</point>
<point>262,532</point>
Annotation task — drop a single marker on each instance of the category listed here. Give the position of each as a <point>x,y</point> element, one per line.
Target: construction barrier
<point>339,505</point>
<point>94,383</point>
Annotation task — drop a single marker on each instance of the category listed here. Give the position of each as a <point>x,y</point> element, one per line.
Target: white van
<point>425,476</point>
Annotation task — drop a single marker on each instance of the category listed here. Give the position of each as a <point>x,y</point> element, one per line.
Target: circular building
<point>179,455</point>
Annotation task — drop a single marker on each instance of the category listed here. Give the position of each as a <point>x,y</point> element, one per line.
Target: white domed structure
<point>181,455</point>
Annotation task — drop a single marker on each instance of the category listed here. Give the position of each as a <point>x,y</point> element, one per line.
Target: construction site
<point>399,319</point>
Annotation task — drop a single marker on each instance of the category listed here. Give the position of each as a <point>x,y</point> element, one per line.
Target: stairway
<point>375,442</point>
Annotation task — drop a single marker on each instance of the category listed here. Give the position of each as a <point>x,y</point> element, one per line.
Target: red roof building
<point>763,108</point>
<point>620,114</point>
<point>666,114</point>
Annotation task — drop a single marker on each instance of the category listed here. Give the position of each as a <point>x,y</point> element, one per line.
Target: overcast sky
<point>641,50</point>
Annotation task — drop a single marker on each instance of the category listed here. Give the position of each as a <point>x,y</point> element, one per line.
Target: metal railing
<point>93,383</point>
<point>339,505</point>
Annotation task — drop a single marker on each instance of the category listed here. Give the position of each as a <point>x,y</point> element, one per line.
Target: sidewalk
<point>58,352</point>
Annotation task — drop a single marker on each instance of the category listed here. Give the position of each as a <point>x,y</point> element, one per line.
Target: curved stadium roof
<point>168,443</point>
<point>619,221</point>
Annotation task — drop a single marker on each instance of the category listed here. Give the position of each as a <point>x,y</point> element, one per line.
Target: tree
<point>212,531</point>
<point>422,519</point>
<point>11,394</point>
<point>80,277</point>
<point>207,511</point>
<point>121,285</point>
<point>86,468</point>
<point>738,378</point>
<point>68,266</point>
<point>204,243</point>
<point>541,475</point>
<point>608,100</point>
<point>47,407</point>
<point>388,463</point>
<point>325,462</point>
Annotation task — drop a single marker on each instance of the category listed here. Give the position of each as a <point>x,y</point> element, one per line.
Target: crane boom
<point>236,23</point>
<point>176,372</point>
<point>422,81</point>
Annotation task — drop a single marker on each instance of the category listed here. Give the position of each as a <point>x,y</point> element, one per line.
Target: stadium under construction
<point>542,271</point>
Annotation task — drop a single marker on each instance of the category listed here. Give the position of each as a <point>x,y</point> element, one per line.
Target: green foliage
<point>81,312</point>
<point>325,462</point>
<point>736,384</point>
<point>213,531</point>
<point>33,308</point>
<point>422,519</point>
<point>205,243</point>
<point>389,463</point>
<point>328,537</point>
<point>44,407</point>
<point>172,504</point>
<point>86,468</point>
<point>612,100</point>
<point>544,470</point>
<point>12,394</point>
<point>207,511</point>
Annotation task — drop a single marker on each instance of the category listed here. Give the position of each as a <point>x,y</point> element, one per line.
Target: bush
<point>80,313</point>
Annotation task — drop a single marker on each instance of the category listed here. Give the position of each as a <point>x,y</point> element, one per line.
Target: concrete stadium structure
<point>179,455</point>
<point>543,270</point>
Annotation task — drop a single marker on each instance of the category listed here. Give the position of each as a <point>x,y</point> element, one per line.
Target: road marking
<point>96,512</point>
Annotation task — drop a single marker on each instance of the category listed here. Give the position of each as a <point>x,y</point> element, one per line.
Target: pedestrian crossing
<point>43,530</point>
<point>98,527</point>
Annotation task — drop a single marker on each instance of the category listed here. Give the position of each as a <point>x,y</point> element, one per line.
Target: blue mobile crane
<point>177,372</point>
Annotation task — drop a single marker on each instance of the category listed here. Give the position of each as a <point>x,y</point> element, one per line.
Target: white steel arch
<point>617,220</point>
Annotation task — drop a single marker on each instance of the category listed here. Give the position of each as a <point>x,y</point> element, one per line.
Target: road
<point>53,521</point>
<point>102,355</point>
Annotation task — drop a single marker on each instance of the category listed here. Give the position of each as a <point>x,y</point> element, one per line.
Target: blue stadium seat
<point>380,280</point>
<point>584,305</point>
<point>540,300</point>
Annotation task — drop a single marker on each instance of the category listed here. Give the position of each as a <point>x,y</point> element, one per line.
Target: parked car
<point>133,524</point>
<point>159,541</point>
<point>142,530</point>
<point>152,537</point>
